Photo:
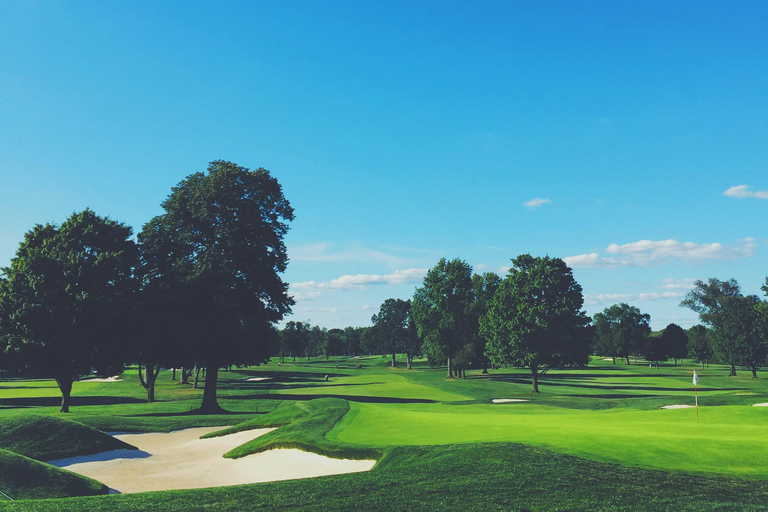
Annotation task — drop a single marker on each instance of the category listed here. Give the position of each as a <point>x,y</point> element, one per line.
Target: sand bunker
<point>764,404</point>
<point>257,379</point>
<point>676,406</point>
<point>108,379</point>
<point>181,460</point>
<point>507,400</point>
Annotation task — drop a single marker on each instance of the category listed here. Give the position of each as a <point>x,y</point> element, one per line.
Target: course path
<point>181,460</point>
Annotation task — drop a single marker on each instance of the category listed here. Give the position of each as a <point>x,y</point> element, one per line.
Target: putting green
<point>727,440</point>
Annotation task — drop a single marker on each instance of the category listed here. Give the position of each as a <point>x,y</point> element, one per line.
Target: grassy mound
<point>48,438</point>
<point>25,478</point>
<point>303,425</point>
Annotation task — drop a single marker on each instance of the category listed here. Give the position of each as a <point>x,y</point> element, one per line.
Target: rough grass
<point>22,478</point>
<point>48,438</point>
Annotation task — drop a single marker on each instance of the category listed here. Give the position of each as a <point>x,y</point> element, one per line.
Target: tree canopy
<point>621,330</point>
<point>535,319</point>
<point>395,330</point>
<point>441,310</point>
<point>65,299</point>
<point>220,241</point>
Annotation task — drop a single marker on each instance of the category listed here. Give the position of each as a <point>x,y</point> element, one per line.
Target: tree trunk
<point>733,370</point>
<point>675,361</point>
<point>408,362</point>
<point>463,373</point>
<point>614,359</point>
<point>210,403</point>
<point>394,361</point>
<point>450,375</point>
<point>535,375</point>
<point>197,377</point>
<point>754,373</point>
<point>173,377</point>
<point>628,359</point>
<point>702,364</point>
<point>184,375</point>
<point>148,378</point>
<point>65,386</point>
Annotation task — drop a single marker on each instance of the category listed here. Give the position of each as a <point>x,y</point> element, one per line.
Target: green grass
<point>442,444</point>
<point>48,438</point>
<point>22,478</point>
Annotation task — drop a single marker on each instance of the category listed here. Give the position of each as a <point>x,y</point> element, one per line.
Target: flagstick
<point>696,394</point>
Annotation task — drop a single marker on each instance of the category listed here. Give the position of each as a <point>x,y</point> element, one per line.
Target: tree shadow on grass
<point>351,398</point>
<point>75,401</point>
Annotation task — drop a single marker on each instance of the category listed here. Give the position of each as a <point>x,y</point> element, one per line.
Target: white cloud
<point>678,284</point>
<point>363,281</point>
<point>743,191</point>
<point>650,252</point>
<point>537,202</point>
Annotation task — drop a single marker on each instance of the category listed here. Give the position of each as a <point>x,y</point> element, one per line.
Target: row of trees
<point>201,286</point>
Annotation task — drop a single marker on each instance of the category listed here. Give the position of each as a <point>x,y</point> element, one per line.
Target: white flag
<point>695,378</point>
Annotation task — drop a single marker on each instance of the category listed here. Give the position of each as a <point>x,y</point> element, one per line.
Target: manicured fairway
<point>728,440</point>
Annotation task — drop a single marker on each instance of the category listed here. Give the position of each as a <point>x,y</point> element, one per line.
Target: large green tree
<point>66,297</point>
<point>441,310</point>
<point>220,242</point>
<point>741,332</point>
<point>535,320</point>
<point>484,287</point>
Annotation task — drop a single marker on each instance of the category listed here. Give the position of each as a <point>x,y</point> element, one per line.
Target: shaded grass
<point>47,438</point>
<point>23,478</point>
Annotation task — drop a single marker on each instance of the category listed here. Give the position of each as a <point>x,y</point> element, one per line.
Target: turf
<point>443,445</point>
<point>22,478</point>
<point>48,437</point>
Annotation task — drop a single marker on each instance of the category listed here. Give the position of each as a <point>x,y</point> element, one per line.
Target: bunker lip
<point>508,400</point>
<point>677,406</point>
<point>764,404</point>
<point>181,460</point>
<point>107,379</point>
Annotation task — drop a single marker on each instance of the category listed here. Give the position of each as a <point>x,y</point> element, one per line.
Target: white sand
<point>180,460</point>
<point>764,404</point>
<point>676,406</point>
<point>607,359</point>
<point>108,379</point>
<point>507,400</point>
<point>257,379</point>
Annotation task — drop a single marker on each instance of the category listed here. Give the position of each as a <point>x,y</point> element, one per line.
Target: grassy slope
<point>25,478</point>
<point>48,437</point>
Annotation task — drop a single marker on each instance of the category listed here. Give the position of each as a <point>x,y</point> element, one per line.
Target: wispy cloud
<point>743,191</point>
<point>678,284</point>
<point>655,253</point>
<point>613,298</point>
<point>325,252</point>
<point>363,281</point>
<point>536,202</point>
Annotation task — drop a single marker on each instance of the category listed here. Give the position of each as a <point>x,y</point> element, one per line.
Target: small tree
<point>395,330</point>
<point>675,342</point>
<point>65,300</point>
<point>655,349</point>
<point>699,346</point>
<point>535,320</point>
<point>621,330</point>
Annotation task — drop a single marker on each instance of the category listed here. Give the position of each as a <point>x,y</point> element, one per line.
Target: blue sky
<point>611,134</point>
